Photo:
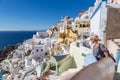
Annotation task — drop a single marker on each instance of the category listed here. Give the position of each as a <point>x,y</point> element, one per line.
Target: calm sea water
<point>14,37</point>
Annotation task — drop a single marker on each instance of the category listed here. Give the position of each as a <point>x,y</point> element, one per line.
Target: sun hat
<point>95,37</point>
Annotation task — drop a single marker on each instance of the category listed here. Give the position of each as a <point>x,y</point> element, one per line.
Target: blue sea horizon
<point>14,37</point>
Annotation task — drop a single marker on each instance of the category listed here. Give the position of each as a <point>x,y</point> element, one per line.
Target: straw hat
<point>95,37</point>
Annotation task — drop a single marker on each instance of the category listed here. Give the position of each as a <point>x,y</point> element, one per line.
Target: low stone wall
<point>101,70</point>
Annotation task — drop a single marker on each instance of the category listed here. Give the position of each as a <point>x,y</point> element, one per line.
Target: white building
<point>41,35</point>
<point>105,22</point>
<point>38,70</point>
<point>113,1</point>
<point>34,62</point>
<point>40,49</point>
<point>27,62</point>
<point>42,41</point>
<point>66,22</point>
<point>27,47</point>
<point>30,44</point>
<point>83,17</point>
<point>98,18</point>
<point>18,53</point>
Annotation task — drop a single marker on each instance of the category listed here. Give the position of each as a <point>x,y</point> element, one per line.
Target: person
<point>99,50</point>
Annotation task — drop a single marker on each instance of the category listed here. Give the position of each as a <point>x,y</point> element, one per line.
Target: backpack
<point>109,54</point>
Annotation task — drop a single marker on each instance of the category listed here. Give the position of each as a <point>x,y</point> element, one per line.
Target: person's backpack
<point>109,54</point>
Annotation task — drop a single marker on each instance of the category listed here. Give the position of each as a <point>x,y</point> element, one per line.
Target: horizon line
<point>21,30</point>
<point>24,30</point>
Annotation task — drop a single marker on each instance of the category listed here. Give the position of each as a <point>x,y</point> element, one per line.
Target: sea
<point>14,37</point>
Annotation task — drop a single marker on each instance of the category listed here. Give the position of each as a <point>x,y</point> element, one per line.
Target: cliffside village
<point>59,53</point>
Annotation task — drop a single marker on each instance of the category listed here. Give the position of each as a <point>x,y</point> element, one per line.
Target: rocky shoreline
<point>7,50</point>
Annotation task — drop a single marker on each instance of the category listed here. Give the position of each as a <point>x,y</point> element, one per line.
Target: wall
<point>95,21</point>
<point>101,70</point>
<point>113,23</point>
<point>77,53</point>
<point>98,20</point>
<point>112,47</point>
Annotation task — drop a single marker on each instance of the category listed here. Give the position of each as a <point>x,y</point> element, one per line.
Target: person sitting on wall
<point>99,50</point>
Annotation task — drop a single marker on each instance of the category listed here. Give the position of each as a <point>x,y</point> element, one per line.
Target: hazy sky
<point>38,14</point>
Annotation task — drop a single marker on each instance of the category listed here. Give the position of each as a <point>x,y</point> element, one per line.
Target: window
<point>37,50</point>
<point>41,50</point>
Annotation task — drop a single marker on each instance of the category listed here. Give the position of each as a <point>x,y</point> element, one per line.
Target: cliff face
<point>6,51</point>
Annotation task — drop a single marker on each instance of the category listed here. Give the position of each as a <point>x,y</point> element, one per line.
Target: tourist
<point>99,50</point>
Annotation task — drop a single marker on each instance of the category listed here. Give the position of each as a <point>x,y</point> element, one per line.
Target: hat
<point>95,37</point>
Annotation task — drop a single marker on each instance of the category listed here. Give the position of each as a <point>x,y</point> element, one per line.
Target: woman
<point>99,50</point>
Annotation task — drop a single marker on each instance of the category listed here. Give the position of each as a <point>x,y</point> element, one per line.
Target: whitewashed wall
<point>95,22</point>
<point>98,21</point>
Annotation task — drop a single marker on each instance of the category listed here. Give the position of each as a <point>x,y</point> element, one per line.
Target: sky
<point>38,14</point>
